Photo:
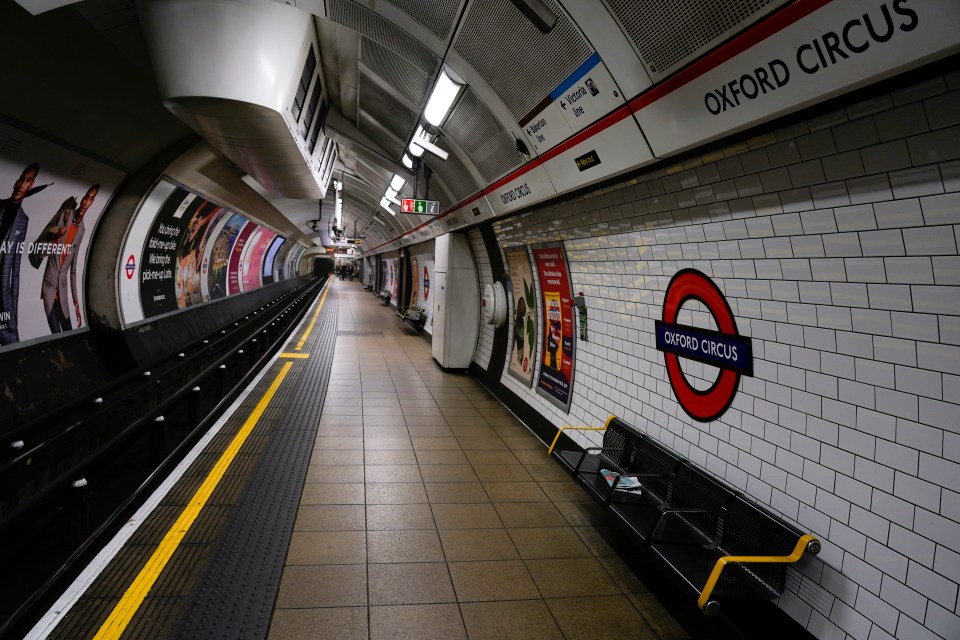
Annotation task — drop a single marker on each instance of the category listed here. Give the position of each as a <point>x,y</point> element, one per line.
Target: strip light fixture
<point>445,91</point>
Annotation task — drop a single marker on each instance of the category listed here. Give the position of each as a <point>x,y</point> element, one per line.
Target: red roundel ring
<point>708,405</point>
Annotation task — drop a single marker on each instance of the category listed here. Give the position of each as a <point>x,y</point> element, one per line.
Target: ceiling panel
<point>474,128</point>
<point>384,32</point>
<point>521,64</point>
<point>406,78</point>
<point>436,15</point>
<point>384,110</point>
<point>670,33</point>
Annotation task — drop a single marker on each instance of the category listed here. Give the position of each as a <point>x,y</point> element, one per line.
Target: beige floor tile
<point>532,457</point>
<point>589,618</point>
<point>482,443</point>
<point>440,457</point>
<point>502,473</point>
<point>658,617</point>
<point>332,517</point>
<point>415,545</point>
<point>385,421</point>
<point>474,432</point>
<point>511,620</point>
<point>393,473</point>
<point>395,517</point>
<point>381,402</point>
<point>567,491</point>
<point>337,474</point>
<point>327,547</point>
<point>340,431</point>
<point>410,583</point>
<point>477,544</point>
<point>336,457</point>
<point>337,442</point>
<point>448,473</point>
<point>396,493</point>
<point>384,431</point>
<point>492,580</point>
<point>571,577</point>
<point>547,472</point>
<point>416,622</point>
<point>465,516</point>
<point>522,443</point>
<point>548,542</point>
<point>332,494</point>
<point>467,421</point>
<point>514,492</point>
<point>405,456</point>
<point>343,623</point>
<point>456,492</point>
<point>428,421</point>
<point>436,444</point>
<point>387,444</point>
<point>529,514</point>
<point>583,513</point>
<point>492,458</point>
<point>382,411</point>
<point>421,431</point>
<point>341,585</point>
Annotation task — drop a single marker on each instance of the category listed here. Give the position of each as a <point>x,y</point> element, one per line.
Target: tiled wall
<point>835,243</point>
<point>485,276</point>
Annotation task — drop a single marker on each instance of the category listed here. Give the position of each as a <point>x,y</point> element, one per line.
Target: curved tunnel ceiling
<point>380,60</point>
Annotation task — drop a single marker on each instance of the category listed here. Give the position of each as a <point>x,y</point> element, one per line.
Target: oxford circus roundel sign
<point>725,348</point>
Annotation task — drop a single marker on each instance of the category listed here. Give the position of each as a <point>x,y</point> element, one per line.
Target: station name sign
<point>840,45</point>
<point>731,352</point>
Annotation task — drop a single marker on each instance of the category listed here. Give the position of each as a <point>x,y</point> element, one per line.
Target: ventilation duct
<point>239,73</point>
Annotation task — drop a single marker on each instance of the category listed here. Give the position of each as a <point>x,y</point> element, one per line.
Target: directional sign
<point>355,241</point>
<point>423,207</point>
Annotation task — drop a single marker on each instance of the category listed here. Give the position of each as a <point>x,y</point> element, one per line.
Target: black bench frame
<point>415,316</point>
<point>693,525</point>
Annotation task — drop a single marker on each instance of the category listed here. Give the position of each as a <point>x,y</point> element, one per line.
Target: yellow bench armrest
<point>560,430</point>
<point>798,550</point>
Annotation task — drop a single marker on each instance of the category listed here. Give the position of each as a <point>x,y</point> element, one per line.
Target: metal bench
<point>416,317</point>
<point>384,296</point>
<point>694,525</point>
<point>739,551</point>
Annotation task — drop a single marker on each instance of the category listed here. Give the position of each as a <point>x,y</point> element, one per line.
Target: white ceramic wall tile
<point>835,243</point>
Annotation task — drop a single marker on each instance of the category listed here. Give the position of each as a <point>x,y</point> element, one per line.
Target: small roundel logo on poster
<point>724,348</point>
<point>426,284</point>
<point>130,267</point>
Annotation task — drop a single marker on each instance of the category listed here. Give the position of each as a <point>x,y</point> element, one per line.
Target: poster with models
<point>191,253</point>
<point>51,199</point>
<point>252,262</point>
<point>270,260</point>
<point>556,370</point>
<point>524,336</point>
<point>233,268</point>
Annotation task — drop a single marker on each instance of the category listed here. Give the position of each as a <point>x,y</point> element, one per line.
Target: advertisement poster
<point>233,269</point>
<point>219,261</point>
<point>556,373</point>
<point>51,199</point>
<point>415,291</point>
<point>268,261</point>
<point>257,247</point>
<point>190,254</point>
<point>524,343</point>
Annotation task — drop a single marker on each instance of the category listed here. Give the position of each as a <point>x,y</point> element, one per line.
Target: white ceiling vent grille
<point>406,78</point>
<point>670,33</point>
<point>381,30</point>
<point>390,146</point>
<point>435,15</point>
<point>454,176</point>
<point>519,63</point>
<point>491,149</point>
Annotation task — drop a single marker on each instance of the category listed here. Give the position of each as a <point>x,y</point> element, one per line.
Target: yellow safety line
<point>294,355</point>
<point>725,560</point>
<point>560,430</point>
<point>306,334</point>
<point>124,611</point>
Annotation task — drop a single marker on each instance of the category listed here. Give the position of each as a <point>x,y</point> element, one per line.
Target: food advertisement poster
<point>524,342</point>
<point>556,371</point>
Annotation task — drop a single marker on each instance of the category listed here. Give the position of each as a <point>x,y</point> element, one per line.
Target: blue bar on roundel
<point>727,351</point>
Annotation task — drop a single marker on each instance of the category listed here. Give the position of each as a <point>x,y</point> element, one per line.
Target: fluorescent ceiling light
<point>408,161</point>
<point>432,148</point>
<point>390,194</point>
<point>384,203</point>
<point>444,93</point>
<point>415,150</point>
<point>397,182</point>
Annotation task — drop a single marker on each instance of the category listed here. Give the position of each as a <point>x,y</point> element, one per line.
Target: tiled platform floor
<point>430,512</point>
